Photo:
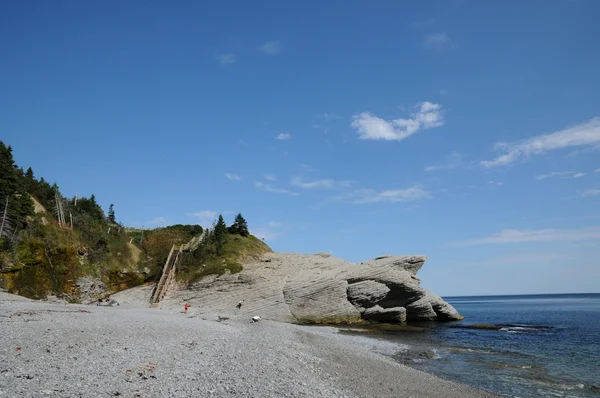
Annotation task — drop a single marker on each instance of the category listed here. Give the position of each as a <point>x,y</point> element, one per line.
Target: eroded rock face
<point>367,293</point>
<point>321,290</point>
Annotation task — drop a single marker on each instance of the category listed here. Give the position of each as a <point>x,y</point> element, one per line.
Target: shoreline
<point>50,349</point>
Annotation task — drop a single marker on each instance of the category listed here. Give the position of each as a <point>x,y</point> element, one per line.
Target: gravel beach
<point>64,350</point>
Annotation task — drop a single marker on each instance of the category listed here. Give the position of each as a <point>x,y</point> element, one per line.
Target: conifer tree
<point>12,187</point>
<point>220,234</point>
<point>240,226</point>
<point>111,214</point>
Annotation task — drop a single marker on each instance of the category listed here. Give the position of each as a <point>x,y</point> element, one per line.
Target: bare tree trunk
<point>4,217</point>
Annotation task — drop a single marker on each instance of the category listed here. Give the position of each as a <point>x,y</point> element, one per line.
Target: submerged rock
<point>482,326</point>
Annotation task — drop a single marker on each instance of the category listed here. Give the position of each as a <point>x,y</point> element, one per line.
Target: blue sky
<point>466,131</point>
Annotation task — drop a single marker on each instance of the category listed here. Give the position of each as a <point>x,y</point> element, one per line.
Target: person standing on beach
<point>185,307</point>
<point>239,305</point>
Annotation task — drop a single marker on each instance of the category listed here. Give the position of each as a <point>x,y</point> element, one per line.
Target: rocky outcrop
<point>321,289</point>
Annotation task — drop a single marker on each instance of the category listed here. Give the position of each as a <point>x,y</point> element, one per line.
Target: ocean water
<point>550,346</point>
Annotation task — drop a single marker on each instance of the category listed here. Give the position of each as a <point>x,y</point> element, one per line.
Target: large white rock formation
<point>320,289</point>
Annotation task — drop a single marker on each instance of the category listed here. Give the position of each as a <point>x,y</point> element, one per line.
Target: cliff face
<point>320,289</point>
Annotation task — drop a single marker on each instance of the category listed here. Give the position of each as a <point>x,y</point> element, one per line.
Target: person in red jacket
<point>186,307</point>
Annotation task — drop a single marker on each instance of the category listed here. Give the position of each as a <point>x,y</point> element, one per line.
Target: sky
<point>466,131</point>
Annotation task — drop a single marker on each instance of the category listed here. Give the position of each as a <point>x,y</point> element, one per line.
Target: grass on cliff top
<point>237,250</point>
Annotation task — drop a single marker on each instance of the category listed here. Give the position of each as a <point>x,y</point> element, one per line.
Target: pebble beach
<point>66,350</point>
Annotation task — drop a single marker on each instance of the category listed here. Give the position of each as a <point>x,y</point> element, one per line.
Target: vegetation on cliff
<point>49,243</point>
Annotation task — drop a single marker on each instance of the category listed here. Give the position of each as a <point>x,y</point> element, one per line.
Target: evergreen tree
<point>111,213</point>
<point>29,173</point>
<point>220,234</point>
<point>239,226</point>
<point>12,187</point>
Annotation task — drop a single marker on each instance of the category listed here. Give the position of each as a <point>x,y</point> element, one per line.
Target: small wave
<point>513,328</point>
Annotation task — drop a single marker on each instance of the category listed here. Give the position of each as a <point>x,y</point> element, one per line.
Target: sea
<point>547,345</point>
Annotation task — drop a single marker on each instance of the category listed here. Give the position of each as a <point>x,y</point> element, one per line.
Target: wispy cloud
<point>361,196</point>
<point>370,127</point>
<point>157,220</point>
<point>270,177</point>
<point>597,171</point>
<point>270,188</point>
<point>438,42</point>
<point>560,174</point>
<point>453,160</point>
<point>233,177</point>
<point>271,48</point>
<point>205,217</point>
<point>590,192</point>
<point>495,183</point>
<point>329,116</point>
<point>271,231</point>
<point>443,92</point>
<point>283,137</point>
<point>526,258</point>
<point>327,183</point>
<point>584,134</point>
<point>424,23</point>
<point>540,235</point>
<point>227,59</point>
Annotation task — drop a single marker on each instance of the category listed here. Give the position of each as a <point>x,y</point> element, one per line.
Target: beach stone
<point>379,314</point>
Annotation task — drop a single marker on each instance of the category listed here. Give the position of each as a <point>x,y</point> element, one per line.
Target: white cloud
<point>361,196</point>
<point>327,183</point>
<point>233,177</point>
<point>438,41</point>
<point>590,192</point>
<point>205,217</point>
<point>496,183</point>
<point>597,171</point>
<point>270,177</point>
<point>371,127</point>
<point>274,224</point>
<point>270,188</point>
<point>540,235</point>
<point>157,220</point>
<point>283,137</point>
<point>227,59</point>
<point>560,174</point>
<point>584,134</point>
<point>271,48</point>
<point>453,160</point>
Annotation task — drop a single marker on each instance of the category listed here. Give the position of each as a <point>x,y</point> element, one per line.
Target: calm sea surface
<point>550,346</point>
